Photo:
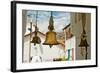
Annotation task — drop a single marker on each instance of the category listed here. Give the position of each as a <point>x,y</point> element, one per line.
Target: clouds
<point>61,19</point>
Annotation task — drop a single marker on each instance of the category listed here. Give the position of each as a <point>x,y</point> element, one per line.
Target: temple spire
<point>51,22</point>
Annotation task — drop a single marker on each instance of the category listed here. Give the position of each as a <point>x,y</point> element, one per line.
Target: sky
<point>61,19</point>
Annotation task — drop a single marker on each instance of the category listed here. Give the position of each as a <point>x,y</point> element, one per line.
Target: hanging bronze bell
<point>51,39</point>
<point>36,39</point>
<point>83,42</point>
<point>51,35</point>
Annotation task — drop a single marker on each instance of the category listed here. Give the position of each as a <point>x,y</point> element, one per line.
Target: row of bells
<point>50,39</point>
<point>50,35</point>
